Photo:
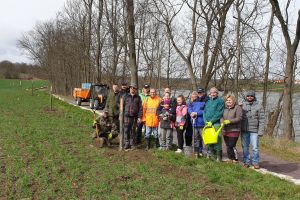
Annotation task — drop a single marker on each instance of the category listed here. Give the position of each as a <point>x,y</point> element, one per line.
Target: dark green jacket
<point>213,111</point>
<point>112,104</point>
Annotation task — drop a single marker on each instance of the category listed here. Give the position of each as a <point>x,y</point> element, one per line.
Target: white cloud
<point>17,17</point>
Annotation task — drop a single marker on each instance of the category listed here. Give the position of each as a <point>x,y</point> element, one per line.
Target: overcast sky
<point>20,16</point>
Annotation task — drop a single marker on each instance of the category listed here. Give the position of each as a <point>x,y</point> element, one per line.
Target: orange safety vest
<point>150,116</point>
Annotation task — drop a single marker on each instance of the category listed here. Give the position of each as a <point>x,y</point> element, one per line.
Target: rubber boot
<point>148,141</point>
<point>219,156</point>
<point>157,143</point>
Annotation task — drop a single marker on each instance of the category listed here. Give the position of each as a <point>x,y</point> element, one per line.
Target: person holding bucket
<point>213,112</point>
<point>231,119</point>
<point>195,109</point>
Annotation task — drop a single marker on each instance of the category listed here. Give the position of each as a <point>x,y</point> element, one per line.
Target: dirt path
<point>269,164</point>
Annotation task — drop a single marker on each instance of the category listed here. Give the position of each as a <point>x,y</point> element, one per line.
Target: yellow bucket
<point>210,135</point>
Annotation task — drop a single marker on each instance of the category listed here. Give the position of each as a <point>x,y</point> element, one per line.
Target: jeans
<point>165,137</point>
<point>150,130</point>
<point>250,138</point>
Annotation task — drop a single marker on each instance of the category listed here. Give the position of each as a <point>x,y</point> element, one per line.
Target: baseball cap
<point>201,90</point>
<point>146,86</point>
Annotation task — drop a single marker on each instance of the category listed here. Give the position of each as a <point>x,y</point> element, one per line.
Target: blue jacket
<point>197,107</point>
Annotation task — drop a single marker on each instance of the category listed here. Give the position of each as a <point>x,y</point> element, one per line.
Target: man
<point>132,114</point>
<point>150,116</point>
<point>252,128</point>
<point>144,96</point>
<point>124,90</point>
<point>202,97</point>
<point>105,130</point>
<point>213,112</point>
<point>112,104</point>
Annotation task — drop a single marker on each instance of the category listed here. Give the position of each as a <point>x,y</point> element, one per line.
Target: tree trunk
<point>266,74</point>
<point>287,97</point>
<point>131,42</point>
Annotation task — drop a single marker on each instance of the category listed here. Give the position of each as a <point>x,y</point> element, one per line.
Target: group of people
<point>161,115</point>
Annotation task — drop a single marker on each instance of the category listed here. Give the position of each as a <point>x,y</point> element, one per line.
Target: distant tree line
<point>9,70</point>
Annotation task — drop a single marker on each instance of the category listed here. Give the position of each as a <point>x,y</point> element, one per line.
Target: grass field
<point>49,155</point>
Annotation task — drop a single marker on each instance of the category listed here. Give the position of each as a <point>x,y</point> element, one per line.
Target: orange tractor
<point>95,94</point>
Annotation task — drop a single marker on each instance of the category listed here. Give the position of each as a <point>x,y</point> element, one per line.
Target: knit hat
<point>167,101</point>
<point>250,93</point>
<point>214,89</point>
<point>133,86</point>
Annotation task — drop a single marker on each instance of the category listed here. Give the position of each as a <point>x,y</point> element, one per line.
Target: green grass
<point>49,155</point>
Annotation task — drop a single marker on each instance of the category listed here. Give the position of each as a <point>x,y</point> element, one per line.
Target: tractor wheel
<point>78,101</point>
<point>92,103</point>
<point>96,104</point>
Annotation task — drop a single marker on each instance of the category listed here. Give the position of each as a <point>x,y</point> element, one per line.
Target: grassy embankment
<point>49,155</point>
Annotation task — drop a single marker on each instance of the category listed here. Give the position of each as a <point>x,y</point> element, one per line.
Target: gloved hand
<point>165,118</point>
<point>139,120</point>
<point>226,121</point>
<point>180,127</point>
<point>94,124</point>
<point>208,124</point>
<point>110,136</point>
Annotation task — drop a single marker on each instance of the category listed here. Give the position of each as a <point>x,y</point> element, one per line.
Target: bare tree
<point>289,68</point>
<point>131,42</point>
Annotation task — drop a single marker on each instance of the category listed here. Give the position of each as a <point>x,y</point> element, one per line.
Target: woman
<point>232,118</point>
<point>195,110</point>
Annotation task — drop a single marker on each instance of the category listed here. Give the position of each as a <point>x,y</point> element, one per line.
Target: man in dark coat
<point>132,115</point>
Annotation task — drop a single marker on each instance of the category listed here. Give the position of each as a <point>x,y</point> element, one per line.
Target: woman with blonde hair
<point>232,118</point>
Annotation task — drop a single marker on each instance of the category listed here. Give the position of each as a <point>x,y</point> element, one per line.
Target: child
<point>180,123</point>
<point>166,118</point>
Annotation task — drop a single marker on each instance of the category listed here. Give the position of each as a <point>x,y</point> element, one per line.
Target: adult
<point>124,89</point>
<point>196,109</point>
<point>150,117</point>
<point>105,130</point>
<point>213,112</point>
<point>132,114</point>
<point>112,104</point>
<point>252,128</point>
<point>180,123</point>
<point>202,97</point>
<point>144,96</point>
<point>232,118</point>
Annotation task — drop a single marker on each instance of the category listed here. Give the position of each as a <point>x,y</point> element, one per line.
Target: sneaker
<point>200,154</point>
<point>235,161</point>
<point>256,166</point>
<point>246,165</point>
<point>178,151</point>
